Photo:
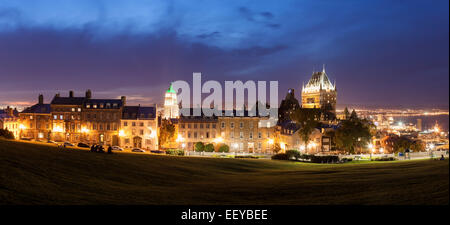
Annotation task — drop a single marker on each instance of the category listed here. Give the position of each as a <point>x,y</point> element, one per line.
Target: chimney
<point>88,94</point>
<point>124,100</point>
<point>57,95</point>
<point>41,99</point>
<point>9,111</point>
<point>71,94</point>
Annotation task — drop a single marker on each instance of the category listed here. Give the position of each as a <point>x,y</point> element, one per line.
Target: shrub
<point>325,159</point>
<point>306,157</point>
<point>199,147</point>
<point>347,159</point>
<point>224,148</point>
<point>6,134</point>
<point>293,154</point>
<point>209,148</point>
<point>280,156</point>
<point>179,152</point>
<point>385,159</point>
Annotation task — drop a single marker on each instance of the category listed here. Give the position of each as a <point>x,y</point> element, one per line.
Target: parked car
<point>83,145</point>
<point>51,142</point>
<point>117,148</point>
<point>68,144</point>
<point>137,150</point>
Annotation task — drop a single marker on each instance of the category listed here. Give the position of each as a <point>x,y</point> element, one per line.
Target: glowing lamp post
<point>270,142</point>
<point>371,149</point>
<point>21,127</point>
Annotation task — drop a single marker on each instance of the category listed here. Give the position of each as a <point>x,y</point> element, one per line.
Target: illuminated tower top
<point>171,104</point>
<point>319,92</point>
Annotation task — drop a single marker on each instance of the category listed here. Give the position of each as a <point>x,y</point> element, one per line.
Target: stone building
<point>9,120</point>
<point>251,134</point>
<point>100,120</point>
<point>36,122</point>
<point>66,117</point>
<point>139,127</point>
<point>319,92</point>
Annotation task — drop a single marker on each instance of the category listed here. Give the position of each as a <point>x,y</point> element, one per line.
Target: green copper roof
<point>170,90</point>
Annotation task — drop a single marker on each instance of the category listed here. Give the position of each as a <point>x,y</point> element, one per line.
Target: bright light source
<point>180,138</point>
<point>381,150</point>
<point>370,146</point>
<point>270,141</point>
<point>121,133</point>
<point>218,140</point>
<point>22,127</point>
<point>283,145</point>
<point>84,130</point>
<point>57,129</point>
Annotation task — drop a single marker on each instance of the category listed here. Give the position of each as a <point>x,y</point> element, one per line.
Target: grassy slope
<point>40,174</point>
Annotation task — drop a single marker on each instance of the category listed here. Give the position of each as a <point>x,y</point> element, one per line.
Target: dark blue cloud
<point>380,52</point>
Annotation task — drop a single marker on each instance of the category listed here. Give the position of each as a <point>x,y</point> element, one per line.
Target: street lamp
<point>21,127</point>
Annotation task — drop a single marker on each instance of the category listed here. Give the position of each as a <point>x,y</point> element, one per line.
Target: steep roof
<point>135,112</point>
<point>104,101</point>
<point>38,108</point>
<point>68,100</point>
<point>319,80</point>
<point>171,90</point>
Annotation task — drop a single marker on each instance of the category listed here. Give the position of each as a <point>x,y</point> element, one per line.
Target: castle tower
<point>319,92</point>
<point>171,109</point>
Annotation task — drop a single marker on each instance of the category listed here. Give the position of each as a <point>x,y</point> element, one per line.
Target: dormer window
<point>94,106</point>
<point>88,106</point>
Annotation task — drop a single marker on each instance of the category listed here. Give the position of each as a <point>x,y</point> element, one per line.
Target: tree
<point>166,133</point>
<point>199,147</point>
<point>401,144</point>
<point>346,113</point>
<point>6,134</point>
<point>224,148</point>
<point>307,119</point>
<point>353,134</point>
<point>209,148</point>
<point>276,148</point>
<point>353,116</point>
<point>418,146</point>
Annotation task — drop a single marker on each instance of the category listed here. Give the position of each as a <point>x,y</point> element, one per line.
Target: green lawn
<point>42,174</point>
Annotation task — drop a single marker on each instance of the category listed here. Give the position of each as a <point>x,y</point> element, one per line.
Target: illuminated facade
<point>250,134</point>
<point>35,121</point>
<point>9,120</point>
<point>139,127</point>
<point>171,110</point>
<point>319,92</point>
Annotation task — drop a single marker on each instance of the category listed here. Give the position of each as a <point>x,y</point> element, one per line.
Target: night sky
<point>381,53</point>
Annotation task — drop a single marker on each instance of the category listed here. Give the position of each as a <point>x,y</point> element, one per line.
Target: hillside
<point>43,174</point>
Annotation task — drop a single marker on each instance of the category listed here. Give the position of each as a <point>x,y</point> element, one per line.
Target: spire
<point>170,90</point>
<point>323,68</point>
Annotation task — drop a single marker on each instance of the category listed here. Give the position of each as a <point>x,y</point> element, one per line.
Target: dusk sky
<point>381,53</point>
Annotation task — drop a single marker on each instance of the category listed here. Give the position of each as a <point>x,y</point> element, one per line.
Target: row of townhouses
<point>113,122</point>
